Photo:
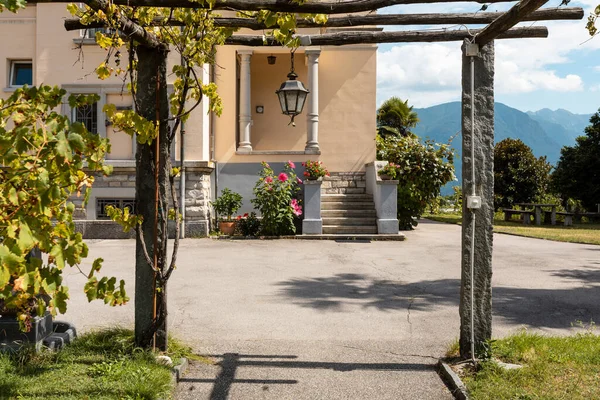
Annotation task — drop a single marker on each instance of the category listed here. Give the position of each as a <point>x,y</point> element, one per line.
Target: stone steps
<point>345,205</point>
<point>351,213</point>
<point>350,198</point>
<point>365,213</point>
<point>348,229</point>
<point>345,221</point>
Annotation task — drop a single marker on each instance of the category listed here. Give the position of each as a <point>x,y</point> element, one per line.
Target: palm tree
<point>396,117</point>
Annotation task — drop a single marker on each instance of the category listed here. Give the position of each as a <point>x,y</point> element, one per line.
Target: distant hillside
<point>545,131</point>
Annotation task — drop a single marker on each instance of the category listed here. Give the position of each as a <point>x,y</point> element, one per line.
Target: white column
<point>312,112</point>
<point>245,106</point>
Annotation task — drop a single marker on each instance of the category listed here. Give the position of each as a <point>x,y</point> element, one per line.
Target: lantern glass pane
<point>301,100</point>
<point>281,95</point>
<point>292,98</point>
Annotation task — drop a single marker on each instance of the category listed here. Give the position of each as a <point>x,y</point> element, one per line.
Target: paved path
<point>294,319</point>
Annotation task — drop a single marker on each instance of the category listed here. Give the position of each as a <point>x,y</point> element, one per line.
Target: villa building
<point>337,125</point>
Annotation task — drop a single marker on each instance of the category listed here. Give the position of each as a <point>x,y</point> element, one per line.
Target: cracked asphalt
<point>293,319</point>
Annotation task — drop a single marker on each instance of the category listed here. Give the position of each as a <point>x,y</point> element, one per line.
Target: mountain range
<point>544,131</point>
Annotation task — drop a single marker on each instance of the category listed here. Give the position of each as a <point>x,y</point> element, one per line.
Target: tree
<point>395,117</point>
<point>422,169</point>
<point>519,177</point>
<point>591,24</point>
<point>43,156</point>
<point>153,32</point>
<point>577,173</point>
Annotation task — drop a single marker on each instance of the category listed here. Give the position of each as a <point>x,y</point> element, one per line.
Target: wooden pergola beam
<point>572,13</point>
<point>288,6</point>
<point>347,38</point>
<point>509,19</point>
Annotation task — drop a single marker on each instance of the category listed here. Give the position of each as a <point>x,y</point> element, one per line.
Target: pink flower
<point>283,177</point>
<point>297,208</point>
<point>291,164</point>
<point>299,181</point>
<point>268,179</point>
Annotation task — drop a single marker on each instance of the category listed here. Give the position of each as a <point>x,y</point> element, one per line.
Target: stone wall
<point>344,183</point>
<point>121,184</point>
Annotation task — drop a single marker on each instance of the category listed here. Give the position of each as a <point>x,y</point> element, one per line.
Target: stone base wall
<point>344,183</point>
<point>121,184</point>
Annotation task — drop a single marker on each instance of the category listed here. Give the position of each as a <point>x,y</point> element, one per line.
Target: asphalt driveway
<point>293,319</point>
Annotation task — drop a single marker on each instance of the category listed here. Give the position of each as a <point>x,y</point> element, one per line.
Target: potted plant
<point>314,170</point>
<point>388,172</point>
<point>227,205</point>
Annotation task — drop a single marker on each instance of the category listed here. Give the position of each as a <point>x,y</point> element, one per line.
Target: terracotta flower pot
<point>227,227</point>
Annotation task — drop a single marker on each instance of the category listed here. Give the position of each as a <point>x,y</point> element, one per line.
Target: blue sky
<point>562,71</point>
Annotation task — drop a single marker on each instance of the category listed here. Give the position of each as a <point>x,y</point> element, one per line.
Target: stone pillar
<point>477,223</point>
<point>245,103</point>
<point>387,207</point>
<point>312,224</point>
<point>312,113</point>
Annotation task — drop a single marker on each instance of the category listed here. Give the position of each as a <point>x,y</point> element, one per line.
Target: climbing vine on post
<point>45,160</point>
<point>149,34</point>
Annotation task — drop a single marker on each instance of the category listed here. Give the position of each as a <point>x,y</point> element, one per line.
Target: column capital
<point>245,55</point>
<point>312,54</point>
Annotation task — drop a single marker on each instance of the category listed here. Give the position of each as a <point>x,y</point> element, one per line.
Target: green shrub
<point>228,203</point>
<point>422,169</point>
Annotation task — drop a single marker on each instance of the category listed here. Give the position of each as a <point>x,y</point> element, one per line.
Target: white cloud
<point>429,73</point>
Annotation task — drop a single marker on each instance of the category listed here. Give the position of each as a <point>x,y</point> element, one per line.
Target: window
<point>119,203</point>
<point>21,73</point>
<point>90,33</point>
<point>88,116</point>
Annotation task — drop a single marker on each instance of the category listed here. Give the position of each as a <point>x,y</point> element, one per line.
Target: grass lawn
<point>553,368</point>
<point>98,365</point>
<point>578,233</point>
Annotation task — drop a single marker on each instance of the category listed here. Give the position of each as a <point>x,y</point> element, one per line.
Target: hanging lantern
<point>292,95</point>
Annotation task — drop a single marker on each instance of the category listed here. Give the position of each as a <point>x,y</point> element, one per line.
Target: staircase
<point>348,214</point>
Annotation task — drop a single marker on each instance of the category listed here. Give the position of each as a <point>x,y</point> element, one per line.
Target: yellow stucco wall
<point>347,82</point>
<point>347,90</point>
<point>37,33</point>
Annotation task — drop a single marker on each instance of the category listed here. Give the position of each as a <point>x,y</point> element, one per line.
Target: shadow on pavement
<point>533,307</point>
<point>230,362</point>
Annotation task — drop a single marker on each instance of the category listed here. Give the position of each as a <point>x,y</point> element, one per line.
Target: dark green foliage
<point>248,225</point>
<point>422,169</point>
<point>577,173</point>
<point>519,177</point>
<point>395,117</point>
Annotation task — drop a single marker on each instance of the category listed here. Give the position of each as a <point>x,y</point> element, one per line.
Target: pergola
<point>477,99</point>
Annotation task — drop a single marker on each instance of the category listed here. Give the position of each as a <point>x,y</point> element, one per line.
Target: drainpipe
<point>213,140</point>
<point>182,171</point>
<point>473,201</point>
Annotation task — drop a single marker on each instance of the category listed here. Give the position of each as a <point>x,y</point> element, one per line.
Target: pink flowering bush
<point>275,199</point>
